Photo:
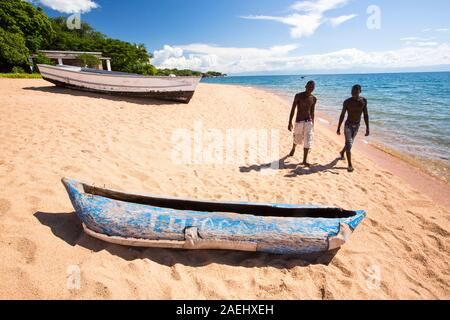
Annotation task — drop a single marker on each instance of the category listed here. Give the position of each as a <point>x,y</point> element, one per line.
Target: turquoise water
<point>410,112</point>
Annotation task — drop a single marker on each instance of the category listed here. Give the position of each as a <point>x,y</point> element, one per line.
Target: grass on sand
<point>21,75</point>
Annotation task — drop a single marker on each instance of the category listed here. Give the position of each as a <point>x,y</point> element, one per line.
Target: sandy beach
<point>401,251</point>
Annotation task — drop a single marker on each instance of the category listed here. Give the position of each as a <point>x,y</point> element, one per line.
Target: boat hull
<point>180,89</point>
<point>135,224</point>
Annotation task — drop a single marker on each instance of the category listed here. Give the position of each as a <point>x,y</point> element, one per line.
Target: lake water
<point>410,112</point>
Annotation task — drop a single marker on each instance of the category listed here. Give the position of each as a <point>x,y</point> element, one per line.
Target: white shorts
<point>304,134</point>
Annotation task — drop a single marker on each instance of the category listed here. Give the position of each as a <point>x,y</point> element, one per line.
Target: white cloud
<point>415,39</point>
<point>408,57</point>
<point>318,6</point>
<point>419,42</point>
<point>422,43</point>
<point>205,57</point>
<point>340,20</point>
<point>174,58</point>
<point>309,16</point>
<point>70,6</point>
<point>301,25</point>
<point>436,30</point>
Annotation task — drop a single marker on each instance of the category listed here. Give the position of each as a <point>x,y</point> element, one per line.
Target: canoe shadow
<point>67,227</point>
<point>295,169</point>
<point>77,93</point>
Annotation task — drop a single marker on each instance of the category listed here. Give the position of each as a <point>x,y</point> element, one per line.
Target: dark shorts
<point>351,130</point>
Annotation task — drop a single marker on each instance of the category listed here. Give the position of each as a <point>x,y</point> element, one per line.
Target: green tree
<point>23,30</point>
<point>83,39</point>
<point>125,56</point>
<point>39,58</point>
<point>17,16</point>
<point>89,60</point>
<point>13,50</point>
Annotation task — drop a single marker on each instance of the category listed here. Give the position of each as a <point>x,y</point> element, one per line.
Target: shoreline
<point>436,168</point>
<point>404,166</point>
<point>419,178</point>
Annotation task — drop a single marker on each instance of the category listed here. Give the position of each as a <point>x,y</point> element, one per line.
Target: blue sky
<point>277,36</point>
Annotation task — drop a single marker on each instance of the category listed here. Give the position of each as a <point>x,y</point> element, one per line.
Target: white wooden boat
<point>119,83</point>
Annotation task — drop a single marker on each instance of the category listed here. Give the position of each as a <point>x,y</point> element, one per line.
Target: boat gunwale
<point>124,75</point>
<point>89,190</point>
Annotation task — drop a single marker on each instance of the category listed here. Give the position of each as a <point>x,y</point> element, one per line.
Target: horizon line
<point>331,74</point>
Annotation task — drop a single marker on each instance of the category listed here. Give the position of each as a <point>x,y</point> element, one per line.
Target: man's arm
<point>366,118</point>
<point>341,118</point>
<point>313,110</point>
<point>291,117</point>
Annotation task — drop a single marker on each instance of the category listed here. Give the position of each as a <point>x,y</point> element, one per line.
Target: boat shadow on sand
<point>67,227</point>
<point>119,98</point>
<point>295,169</point>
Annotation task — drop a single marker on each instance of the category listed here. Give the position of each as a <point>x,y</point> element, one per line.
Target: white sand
<point>49,133</point>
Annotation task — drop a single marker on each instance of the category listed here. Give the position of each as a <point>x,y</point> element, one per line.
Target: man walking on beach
<point>305,104</point>
<point>356,106</point>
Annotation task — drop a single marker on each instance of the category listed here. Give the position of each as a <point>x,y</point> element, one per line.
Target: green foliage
<point>184,72</point>
<point>20,17</point>
<point>13,50</point>
<point>17,70</point>
<point>210,74</point>
<point>89,60</point>
<point>188,73</point>
<point>20,75</point>
<point>42,59</point>
<point>23,30</point>
<point>125,56</point>
<point>83,39</point>
<point>144,69</point>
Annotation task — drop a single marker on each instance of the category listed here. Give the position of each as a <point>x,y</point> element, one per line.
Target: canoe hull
<point>140,225</point>
<point>180,89</point>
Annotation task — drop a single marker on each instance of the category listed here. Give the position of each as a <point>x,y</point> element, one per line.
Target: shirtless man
<point>305,104</point>
<point>356,106</point>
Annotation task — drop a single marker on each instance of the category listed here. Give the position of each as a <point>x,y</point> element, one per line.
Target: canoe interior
<point>265,210</point>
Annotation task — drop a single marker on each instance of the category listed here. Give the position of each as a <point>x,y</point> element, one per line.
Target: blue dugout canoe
<point>153,221</point>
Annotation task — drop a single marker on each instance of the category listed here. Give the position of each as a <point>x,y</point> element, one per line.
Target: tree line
<point>25,29</point>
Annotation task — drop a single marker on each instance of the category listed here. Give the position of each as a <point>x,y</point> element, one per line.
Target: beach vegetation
<point>39,58</point>
<point>21,75</point>
<point>17,70</point>
<point>125,56</point>
<point>13,50</point>
<point>24,29</point>
<point>189,73</point>
<point>176,72</point>
<point>212,74</point>
<point>89,60</point>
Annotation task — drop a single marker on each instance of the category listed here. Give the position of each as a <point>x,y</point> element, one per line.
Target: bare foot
<point>350,169</point>
<point>306,164</point>
<point>342,158</point>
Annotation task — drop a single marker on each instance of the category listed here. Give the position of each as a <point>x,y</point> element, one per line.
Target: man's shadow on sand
<point>295,169</point>
<point>67,227</point>
<point>79,93</point>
